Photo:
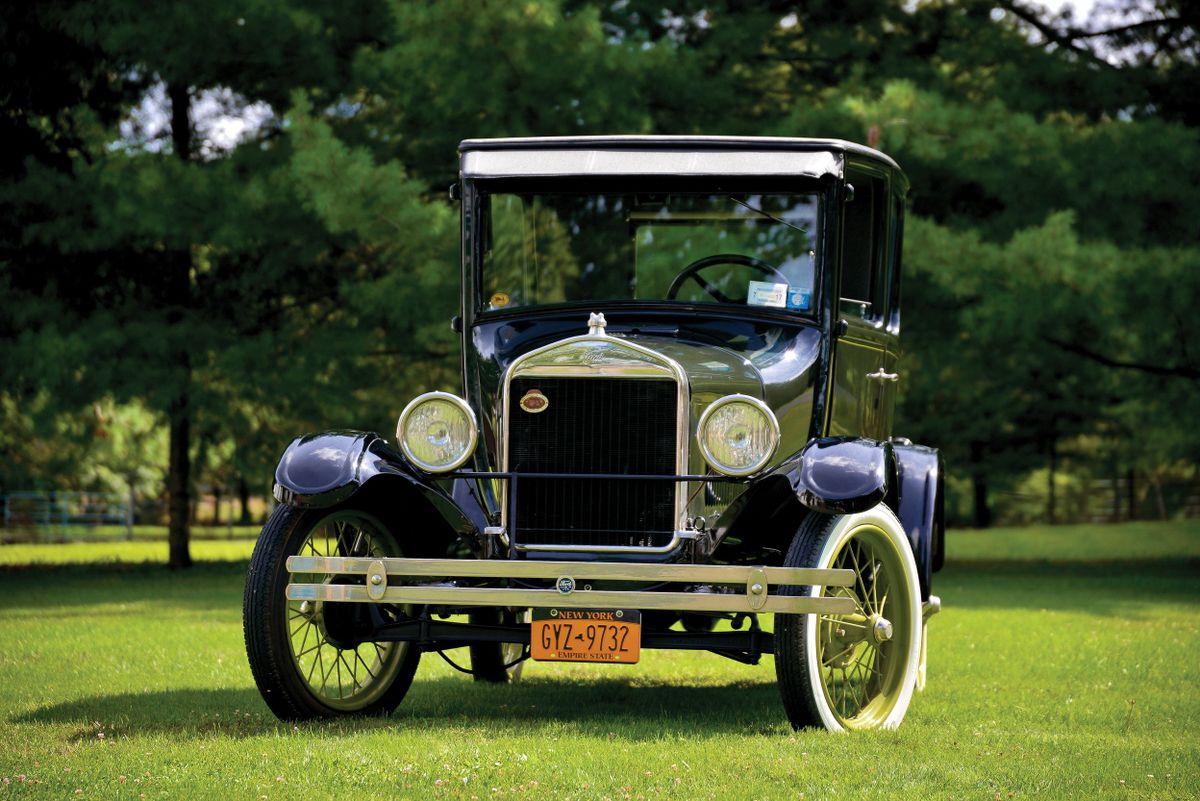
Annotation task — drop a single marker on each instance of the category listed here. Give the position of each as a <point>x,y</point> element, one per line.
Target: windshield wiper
<point>768,215</point>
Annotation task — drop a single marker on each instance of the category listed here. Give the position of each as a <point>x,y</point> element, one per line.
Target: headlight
<point>437,431</point>
<point>737,434</point>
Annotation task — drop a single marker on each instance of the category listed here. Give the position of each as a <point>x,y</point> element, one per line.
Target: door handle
<point>880,375</point>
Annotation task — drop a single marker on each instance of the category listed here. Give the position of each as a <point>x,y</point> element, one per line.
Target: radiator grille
<point>594,425</point>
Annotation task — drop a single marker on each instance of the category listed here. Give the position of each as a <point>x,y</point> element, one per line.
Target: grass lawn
<point>50,535</point>
<point>1056,671</point>
<point>124,553</point>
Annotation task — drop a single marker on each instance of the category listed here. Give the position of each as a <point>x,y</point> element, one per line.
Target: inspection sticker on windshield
<point>799,298</point>
<point>764,293</point>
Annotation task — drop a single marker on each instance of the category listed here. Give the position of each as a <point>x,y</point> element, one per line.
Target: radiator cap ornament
<point>534,402</point>
<point>596,324</point>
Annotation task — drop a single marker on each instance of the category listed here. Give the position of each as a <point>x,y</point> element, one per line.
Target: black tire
<point>804,644</point>
<point>493,661</point>
<point>272,624</point>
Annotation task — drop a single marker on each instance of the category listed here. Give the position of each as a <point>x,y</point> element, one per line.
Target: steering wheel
<point>693,269</point>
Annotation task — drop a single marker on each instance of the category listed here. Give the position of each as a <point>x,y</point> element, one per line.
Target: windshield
<point>741,249</point>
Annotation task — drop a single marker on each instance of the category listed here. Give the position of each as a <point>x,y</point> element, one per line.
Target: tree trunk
<point>178,297</point>
<point>1051,495</point>
<point>1132,496</point>
<point>244,499</point>
<point>1158,496</point>
<point>131,481</point>
<point>179,486</point>
<point>216,506</point>
<point>983,512</point>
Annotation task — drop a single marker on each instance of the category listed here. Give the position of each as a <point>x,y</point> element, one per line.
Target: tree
<point>136,268</point>
<point>301,275</point>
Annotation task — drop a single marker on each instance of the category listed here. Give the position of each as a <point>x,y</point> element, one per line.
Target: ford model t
<point>674,431</point>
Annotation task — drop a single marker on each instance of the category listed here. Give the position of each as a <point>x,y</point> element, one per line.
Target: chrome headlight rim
<point>712,461</point>
<point>472,440</point>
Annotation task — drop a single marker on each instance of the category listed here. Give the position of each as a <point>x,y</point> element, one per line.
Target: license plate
<point>586,635</point>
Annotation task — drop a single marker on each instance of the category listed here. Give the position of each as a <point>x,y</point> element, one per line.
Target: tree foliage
<point>236,290</point>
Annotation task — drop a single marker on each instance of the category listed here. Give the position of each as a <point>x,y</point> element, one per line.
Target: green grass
<point>1128,541</point>
<point>1050,678</point>
<point>114,534</point>
<point>136,552</point>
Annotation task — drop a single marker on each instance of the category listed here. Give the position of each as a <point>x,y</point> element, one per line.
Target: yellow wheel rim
<point>862,656</point>
<point>346,679</point>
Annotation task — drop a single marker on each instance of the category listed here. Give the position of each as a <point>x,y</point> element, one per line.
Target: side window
<point>894,270</point>
<point>864,242</point>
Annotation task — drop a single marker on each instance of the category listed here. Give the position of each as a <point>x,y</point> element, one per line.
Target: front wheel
<point>315,659</point>
<point>858,670</point>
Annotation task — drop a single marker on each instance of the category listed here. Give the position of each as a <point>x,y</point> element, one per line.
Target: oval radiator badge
<point>534,401</point>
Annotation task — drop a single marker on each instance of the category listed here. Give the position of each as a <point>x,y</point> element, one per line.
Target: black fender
<point>835,475</point>
<point>841,475</point>
<point>322,470</point>
<point>829,475</point>
<point>921,508</point>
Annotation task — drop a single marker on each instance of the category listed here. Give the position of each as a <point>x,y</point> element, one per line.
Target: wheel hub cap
<point>881,628</point>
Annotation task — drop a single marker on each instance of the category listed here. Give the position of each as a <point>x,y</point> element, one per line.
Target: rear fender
<point>322,470</point>
<point>921,508</point>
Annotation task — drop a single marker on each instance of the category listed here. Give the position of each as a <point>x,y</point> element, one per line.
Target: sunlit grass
<point>1125,541</point>
<point>51,534</point>
<point>135,552</point>
<point>1048,680</point>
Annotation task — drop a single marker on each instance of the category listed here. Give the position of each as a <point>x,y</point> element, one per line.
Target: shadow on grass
<point>633,710</point>
<point>208,585</point>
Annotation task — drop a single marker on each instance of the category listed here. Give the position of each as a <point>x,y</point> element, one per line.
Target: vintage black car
<point>679,370</point>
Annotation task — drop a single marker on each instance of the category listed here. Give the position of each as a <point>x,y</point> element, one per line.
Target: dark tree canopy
<point>227,288</point>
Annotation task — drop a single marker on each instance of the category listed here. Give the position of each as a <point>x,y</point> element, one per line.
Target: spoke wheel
<point>311,658</point>
<point>855,670</point>
<point>344,673</point>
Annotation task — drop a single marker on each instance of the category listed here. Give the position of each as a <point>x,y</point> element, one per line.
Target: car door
<point>889,376</point>
<point>861,381</point>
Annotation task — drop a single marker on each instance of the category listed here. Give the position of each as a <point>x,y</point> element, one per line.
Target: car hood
<point>776,367</point>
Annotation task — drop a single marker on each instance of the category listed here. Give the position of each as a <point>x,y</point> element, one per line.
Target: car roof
<point>640,141</point>
<point>678,155</point>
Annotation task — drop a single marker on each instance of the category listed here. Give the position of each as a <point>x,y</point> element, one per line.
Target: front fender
<point>321,470</point>
<point>843,476</point>
<point>840,475</point>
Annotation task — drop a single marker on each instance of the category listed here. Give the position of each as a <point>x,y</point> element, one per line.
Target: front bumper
<point>718,588</point>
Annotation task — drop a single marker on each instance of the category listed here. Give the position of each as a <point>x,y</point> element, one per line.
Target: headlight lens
<point>437,431</point>
<point>737,434</point>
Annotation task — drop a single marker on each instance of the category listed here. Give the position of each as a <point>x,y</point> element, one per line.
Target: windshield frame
<point>475,192</point>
